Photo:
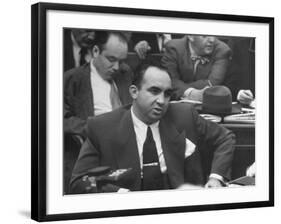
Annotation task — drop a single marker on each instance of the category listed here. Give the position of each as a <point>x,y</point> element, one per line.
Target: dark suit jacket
<point>78,96</point>
<point>180,66</point>
<point>68,58</point>
<point>112,142</point>
<point>241,73</point>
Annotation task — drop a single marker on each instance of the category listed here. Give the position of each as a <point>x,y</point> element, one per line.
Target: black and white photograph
<point>149,112</point>
<point>186,99</point>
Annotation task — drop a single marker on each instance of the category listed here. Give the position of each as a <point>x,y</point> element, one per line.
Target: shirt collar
<point>74,41</point>
<point>93,68</point>
<point>95,72</point>
<point>140,124</point>
<point>192,52</point>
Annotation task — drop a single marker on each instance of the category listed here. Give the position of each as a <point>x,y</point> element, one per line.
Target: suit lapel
<point>126,150</point>
<point>123,81</point>
<point>86,91</point>
<point>187,64</point>
<point>173,145</point>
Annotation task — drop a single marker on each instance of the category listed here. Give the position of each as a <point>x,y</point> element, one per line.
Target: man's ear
<point>95,51</point>
<point>133,91</point>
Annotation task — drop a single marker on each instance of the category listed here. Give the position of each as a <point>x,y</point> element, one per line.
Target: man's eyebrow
<point>154,87</point>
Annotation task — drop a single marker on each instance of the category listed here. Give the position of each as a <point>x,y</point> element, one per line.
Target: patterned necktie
<point>114,96</point>
<point>152,176</point>
<point>198,60</point>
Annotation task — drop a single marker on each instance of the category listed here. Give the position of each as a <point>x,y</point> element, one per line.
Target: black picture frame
<point>39,109</point>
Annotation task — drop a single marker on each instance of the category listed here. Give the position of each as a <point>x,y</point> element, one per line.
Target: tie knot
<point>149,133</point>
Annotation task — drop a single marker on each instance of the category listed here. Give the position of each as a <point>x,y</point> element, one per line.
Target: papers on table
<point>188,186</point>
<point>244,181</point>
<point>211,117</point>
<point>248,116</point>
<point>186,101</point>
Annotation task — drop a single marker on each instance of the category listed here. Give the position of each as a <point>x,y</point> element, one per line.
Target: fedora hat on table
<point>218,100</point>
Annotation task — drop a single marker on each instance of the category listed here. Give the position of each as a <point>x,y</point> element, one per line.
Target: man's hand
<point>245,96</point>
<point>251,170</point>
<point>213,182</point>
<point>194,94</point>
<point>142,48</point>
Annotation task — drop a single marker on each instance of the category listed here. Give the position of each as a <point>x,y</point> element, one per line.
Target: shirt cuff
<point>216,176</point>
<point>186,93</point>
<point>123,190</point>
<point>239,94</point>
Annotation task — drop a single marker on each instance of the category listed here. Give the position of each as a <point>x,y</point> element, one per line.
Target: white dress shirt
<point>101,92</point>
<point>162,39</point>
<point>140,131</point>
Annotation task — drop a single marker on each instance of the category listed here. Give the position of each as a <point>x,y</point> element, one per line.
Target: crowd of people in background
<point>99,85</point>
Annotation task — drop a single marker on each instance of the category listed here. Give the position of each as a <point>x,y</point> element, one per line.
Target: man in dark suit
<point>194,63</point>
<point>156,139</point>
<point>77,48</point>
<point>103,74</point>
<point>94,88</point>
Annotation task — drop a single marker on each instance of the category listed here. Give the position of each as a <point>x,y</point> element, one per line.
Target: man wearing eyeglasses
<point>94,88</point>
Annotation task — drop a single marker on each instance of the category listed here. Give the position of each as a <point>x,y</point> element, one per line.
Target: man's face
<point>203,45</point>
<point>107,60</point>
<point>84,38</point>
<point>152,98</point>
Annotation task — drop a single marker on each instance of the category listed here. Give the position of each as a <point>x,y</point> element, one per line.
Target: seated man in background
<point>99,86</point>
<point>77,47</point>
<point>196,62</point>
<point>92,89</point>
<point>157,140</point>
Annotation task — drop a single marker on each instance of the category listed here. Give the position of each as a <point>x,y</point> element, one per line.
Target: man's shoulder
<point>180,109</point>
<point>222,49</point>
<point>77,73</point>
<point>177,44</point>
<point>110,118</point>
<point>182,116</point>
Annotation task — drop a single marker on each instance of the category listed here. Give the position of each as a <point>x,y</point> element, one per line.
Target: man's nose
<point>116,65</point>
<point>161,98</point>
<point>211,39</point>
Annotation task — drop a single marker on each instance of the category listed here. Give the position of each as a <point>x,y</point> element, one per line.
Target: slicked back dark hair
<point>141,69</point>
<point>101,38</point>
